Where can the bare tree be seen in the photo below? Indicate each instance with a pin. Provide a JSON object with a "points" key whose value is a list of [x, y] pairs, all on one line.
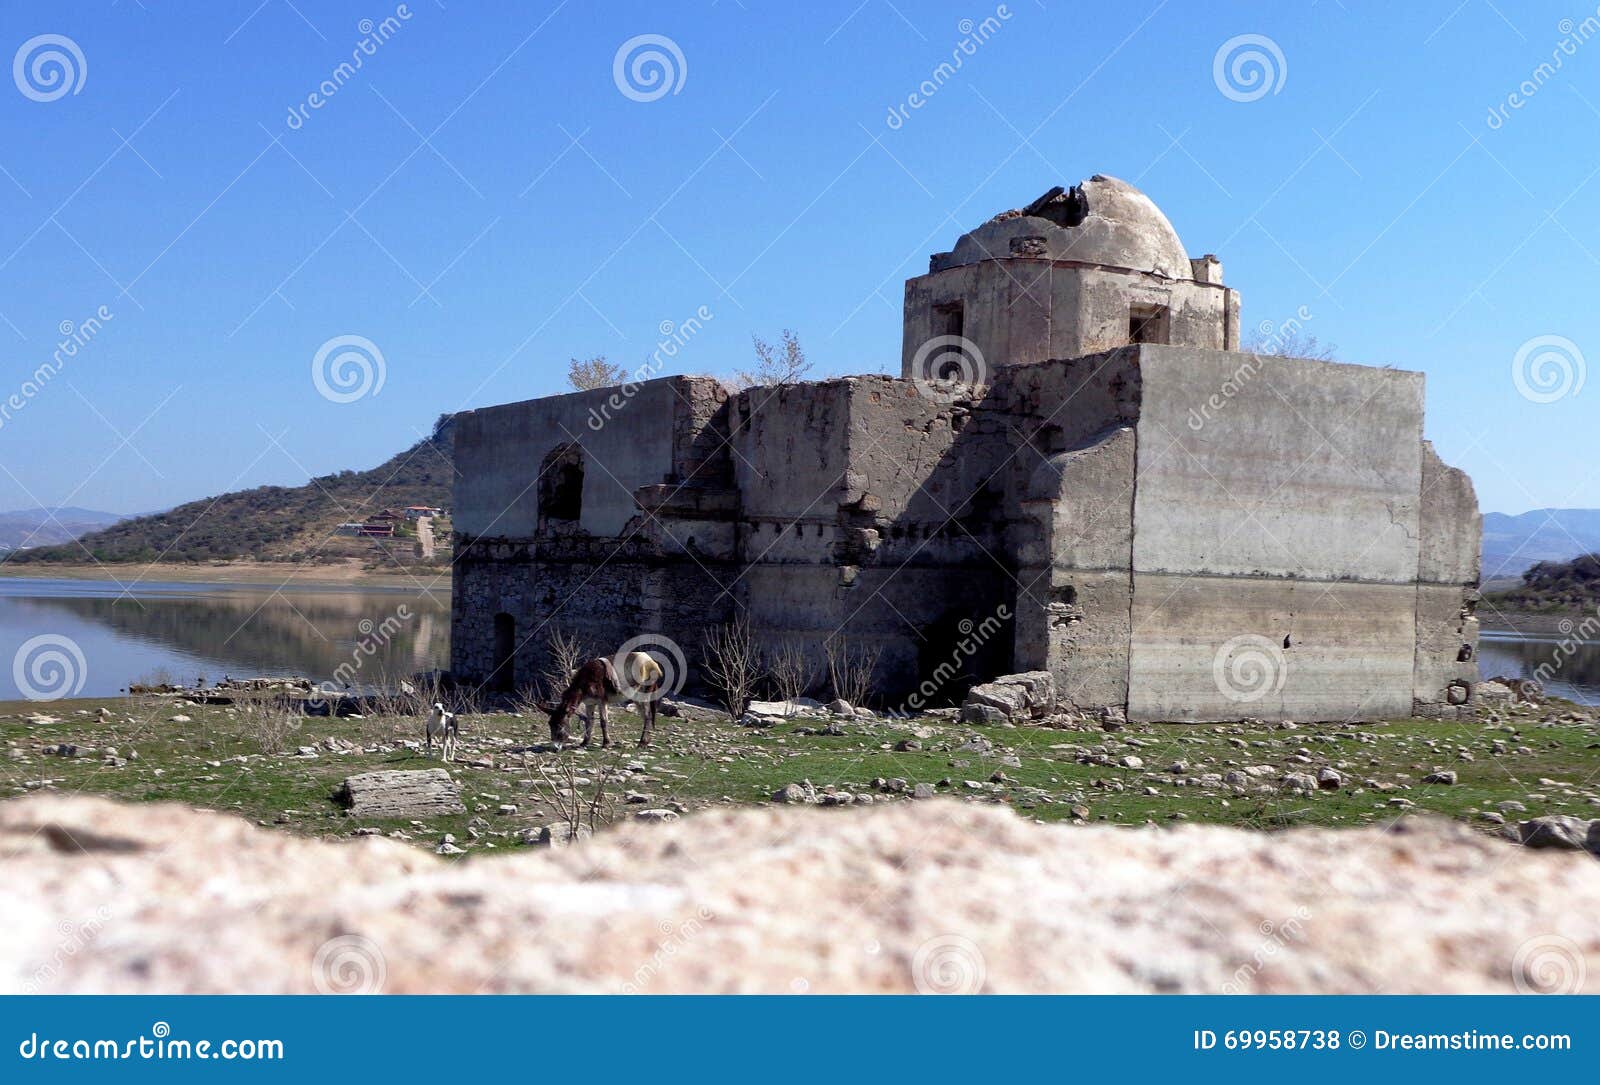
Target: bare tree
{"points": [[567, 652], [784, 363], [594, 372], [790, 670], [733, 665], [1290, 343], [850, 669]]}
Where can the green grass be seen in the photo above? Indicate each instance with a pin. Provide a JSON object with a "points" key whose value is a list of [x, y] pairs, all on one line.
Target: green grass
{"points": [[215, 760]]}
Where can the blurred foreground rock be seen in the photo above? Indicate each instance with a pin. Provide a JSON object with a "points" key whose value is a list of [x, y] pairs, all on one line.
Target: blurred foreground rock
{"points": [[97, 896]]}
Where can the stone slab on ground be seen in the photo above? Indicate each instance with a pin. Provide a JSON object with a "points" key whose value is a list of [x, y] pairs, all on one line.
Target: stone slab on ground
{"points": [[901, 897], [399, 793]]}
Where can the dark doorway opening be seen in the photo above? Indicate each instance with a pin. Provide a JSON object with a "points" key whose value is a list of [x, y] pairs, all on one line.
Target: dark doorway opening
{"points": [[960, 649], [504, 676]]}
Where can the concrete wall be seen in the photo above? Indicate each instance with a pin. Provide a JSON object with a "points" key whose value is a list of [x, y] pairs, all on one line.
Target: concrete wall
{"points": [[1074, 611], [1447, 579], [499, 451], [1277, 502], [1190, 534], [619, 572], [1023, 311]]}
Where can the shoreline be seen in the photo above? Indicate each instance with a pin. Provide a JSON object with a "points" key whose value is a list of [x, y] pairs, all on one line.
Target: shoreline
{"points": [[268, 574], [1530, 623]]}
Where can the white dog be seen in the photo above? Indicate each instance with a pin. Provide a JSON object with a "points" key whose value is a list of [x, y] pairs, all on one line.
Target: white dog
{"points": [[444, 725]]}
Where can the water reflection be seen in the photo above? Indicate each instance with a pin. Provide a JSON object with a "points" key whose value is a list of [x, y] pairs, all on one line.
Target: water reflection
{"points": [[1575, 674], [182, 631]]}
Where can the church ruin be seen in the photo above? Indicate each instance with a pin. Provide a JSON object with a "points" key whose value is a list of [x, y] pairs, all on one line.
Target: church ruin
{"points": [[1077, 471]]}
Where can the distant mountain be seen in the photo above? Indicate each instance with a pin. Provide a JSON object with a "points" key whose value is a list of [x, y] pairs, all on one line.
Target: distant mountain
{"points": [[1513, 544], [45, 527], [271, 523]]}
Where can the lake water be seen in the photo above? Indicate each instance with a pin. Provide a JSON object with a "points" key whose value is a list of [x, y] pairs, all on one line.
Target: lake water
{"points": [[1576, 674], [90, 638]]}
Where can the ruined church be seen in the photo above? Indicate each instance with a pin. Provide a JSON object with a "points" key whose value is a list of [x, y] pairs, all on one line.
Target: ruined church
{"points": [[1077, 471]]}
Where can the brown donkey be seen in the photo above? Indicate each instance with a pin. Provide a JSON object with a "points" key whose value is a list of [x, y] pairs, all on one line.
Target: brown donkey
{"points": [[595, 684]]}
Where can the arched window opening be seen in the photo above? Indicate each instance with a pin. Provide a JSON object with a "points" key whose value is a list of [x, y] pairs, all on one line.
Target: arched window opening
{"points": [[561, 488]]}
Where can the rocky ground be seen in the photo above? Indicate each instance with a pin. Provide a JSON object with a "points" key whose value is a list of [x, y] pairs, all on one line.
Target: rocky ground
{"points": [[937, 896], [1518, 763]]}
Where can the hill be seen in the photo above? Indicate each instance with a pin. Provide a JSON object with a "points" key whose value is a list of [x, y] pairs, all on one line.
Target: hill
{"points": [[43, 527], [1512, 544], [1552, 586], [271, 523]]}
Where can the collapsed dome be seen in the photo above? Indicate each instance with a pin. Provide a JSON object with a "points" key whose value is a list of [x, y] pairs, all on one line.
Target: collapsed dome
{"points": [[1102, 221]]}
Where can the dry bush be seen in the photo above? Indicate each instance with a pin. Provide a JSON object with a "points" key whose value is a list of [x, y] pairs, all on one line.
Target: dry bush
{"points": [[850, 668], [557, 787], [269, 729], [733, 665], [784, 363], [790, 670], [596, 372]]}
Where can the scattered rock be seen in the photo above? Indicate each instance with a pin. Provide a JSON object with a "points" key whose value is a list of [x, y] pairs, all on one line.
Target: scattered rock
{"points": [[795, 793], [1446, 777], [1557, 831], [1330, 780]]}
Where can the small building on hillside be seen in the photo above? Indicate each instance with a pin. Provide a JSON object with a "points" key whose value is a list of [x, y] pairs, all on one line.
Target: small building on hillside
{"points": [[1077, 471]]}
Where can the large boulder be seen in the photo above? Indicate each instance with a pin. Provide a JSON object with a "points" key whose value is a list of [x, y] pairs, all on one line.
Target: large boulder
{"points": [[1013, 696], [935, 895], [400, 793]]}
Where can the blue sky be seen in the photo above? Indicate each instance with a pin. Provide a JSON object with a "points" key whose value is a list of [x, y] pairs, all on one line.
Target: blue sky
{"points": [[482, 202]]}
